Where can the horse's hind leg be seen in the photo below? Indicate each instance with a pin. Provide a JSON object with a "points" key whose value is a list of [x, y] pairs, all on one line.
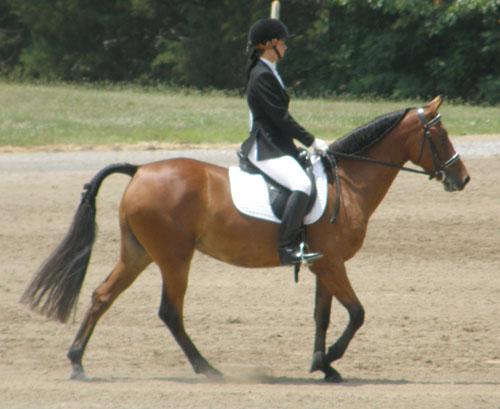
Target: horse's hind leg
{"points": [[171, 316], [175, 269], [133, 261]]}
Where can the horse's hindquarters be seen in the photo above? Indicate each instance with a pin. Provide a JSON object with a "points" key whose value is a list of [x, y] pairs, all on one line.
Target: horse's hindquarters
{"points": [[179, 205]]}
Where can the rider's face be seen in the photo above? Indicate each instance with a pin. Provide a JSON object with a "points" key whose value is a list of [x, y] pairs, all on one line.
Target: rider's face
{"points": [[281, 47], [275, 50]]}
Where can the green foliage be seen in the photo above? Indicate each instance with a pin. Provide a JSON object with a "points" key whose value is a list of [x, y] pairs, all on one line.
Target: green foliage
{"points": [[390, 48], [13, 37], [207, 50]]}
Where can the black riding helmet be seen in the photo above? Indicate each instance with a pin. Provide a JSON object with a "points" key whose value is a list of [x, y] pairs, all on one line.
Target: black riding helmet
{"points": [[264, 30]]}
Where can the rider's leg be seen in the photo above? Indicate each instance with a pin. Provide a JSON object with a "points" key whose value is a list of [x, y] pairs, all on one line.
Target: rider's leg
{"points": [[286, 171], [290, 247]]}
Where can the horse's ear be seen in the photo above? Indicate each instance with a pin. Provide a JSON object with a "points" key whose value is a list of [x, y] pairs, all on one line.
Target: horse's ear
{"points": [[435, 104]]}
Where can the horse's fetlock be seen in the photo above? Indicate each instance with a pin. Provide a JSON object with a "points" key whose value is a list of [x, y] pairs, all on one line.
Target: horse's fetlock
{"points": [[75, 355], [335, 352]]}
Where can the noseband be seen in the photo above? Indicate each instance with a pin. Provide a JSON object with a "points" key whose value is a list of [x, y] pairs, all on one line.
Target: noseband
{"points": [[439, 165]]}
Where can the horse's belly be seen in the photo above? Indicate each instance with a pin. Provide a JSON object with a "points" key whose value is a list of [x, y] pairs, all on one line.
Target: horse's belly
{"points": [[245, 242]]}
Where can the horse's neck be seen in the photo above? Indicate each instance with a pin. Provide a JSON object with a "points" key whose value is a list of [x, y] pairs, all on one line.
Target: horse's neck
{"points": [[371, 182]]}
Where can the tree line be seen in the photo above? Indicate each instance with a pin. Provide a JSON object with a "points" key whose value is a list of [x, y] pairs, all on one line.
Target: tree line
{"points": [[387, 48]]}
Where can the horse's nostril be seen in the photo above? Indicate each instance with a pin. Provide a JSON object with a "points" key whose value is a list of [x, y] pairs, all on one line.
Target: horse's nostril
{"points": [[466, 180]]}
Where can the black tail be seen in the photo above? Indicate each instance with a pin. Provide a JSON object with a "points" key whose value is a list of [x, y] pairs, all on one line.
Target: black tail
{"points": [[54, 289]]}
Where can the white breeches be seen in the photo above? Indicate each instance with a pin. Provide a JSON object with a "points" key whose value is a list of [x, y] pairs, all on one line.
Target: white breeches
{"points": [[285, 170]]}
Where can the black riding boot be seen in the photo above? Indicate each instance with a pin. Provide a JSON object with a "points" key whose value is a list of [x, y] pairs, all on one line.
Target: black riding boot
{"points": [[291, 250]]}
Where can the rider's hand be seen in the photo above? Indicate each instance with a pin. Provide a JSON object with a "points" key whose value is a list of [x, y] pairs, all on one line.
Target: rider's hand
{"points": [[320, 146]]}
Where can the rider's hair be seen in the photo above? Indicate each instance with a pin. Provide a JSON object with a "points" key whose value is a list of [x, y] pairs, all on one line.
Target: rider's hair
{"points": [[253, 57]]}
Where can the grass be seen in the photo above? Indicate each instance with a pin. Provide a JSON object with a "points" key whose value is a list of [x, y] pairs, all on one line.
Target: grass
{"points": [[38, 115]]}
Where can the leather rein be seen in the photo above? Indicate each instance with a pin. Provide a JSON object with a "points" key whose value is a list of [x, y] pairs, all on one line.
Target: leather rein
{"points": [[439, 165]]}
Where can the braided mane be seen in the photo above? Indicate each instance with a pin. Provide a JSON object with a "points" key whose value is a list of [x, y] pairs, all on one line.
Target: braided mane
{"points": [[367, 135]]}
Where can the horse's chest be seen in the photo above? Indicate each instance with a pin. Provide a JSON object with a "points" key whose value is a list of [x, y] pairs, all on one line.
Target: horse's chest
{"points": [[353, 231]]}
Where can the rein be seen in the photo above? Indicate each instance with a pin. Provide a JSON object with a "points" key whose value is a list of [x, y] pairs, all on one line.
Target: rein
{"points": [[439, 165], [377, 162]]}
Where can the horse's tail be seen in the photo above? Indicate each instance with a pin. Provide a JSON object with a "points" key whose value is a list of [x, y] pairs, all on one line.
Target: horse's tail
{"points": [[56, 285]]}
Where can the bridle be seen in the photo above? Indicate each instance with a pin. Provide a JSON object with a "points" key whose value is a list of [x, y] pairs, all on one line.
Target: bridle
{"points": [[439, 166]]}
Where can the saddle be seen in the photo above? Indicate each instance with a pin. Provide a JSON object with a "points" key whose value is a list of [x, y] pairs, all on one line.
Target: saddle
{"points": [[278, 194]]}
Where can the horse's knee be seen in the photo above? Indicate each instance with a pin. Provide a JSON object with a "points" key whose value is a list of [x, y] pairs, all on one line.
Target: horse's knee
{"points": [[357, 316]]}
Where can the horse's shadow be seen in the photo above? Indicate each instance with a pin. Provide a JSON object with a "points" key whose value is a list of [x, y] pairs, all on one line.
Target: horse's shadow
{"points": [[276, 380], [261, 379]]}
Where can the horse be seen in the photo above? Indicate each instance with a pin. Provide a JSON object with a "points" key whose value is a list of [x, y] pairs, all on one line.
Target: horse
{"points": [[173, 207]]}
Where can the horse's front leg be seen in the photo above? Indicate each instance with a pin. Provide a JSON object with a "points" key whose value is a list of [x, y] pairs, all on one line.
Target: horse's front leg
{"points": [[333, 281], [322, 311]]}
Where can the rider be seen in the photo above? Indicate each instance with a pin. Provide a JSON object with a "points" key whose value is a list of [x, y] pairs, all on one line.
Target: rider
{"points": [[270, 146]]}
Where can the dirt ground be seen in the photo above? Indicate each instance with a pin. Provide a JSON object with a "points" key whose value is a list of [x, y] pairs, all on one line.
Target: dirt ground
{"points": [[428, 277]]}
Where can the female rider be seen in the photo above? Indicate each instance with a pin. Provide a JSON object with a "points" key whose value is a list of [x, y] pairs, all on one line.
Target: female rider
{"points": [[270, 146]]}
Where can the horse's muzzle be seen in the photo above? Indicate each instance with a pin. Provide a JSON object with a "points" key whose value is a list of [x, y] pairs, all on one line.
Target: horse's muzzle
{"points": [[454, 183]]}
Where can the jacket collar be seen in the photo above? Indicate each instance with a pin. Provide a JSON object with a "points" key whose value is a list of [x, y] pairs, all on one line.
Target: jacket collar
{"points": [[272, 67]]}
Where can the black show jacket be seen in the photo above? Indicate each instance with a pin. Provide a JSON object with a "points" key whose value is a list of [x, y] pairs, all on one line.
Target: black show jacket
{"points": [[273, 127]]}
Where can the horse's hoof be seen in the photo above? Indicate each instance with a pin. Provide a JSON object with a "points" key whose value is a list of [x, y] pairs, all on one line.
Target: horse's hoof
{"points": [[332, 376], [214, 374], [210, 372], [79, 374], [318, 362]]}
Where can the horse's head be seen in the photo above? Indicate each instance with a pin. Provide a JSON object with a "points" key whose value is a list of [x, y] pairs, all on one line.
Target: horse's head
{"points": [[434, 152]]}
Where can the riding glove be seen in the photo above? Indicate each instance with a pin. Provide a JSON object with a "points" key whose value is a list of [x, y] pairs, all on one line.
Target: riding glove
{"points": [[320, 146]]}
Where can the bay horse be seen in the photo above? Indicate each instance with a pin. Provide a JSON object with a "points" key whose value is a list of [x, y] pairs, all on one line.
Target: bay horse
{"points": [[173, 207]]}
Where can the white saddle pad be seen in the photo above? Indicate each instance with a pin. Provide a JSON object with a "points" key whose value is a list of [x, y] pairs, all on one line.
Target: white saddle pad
{"points": [[251, 197]]}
